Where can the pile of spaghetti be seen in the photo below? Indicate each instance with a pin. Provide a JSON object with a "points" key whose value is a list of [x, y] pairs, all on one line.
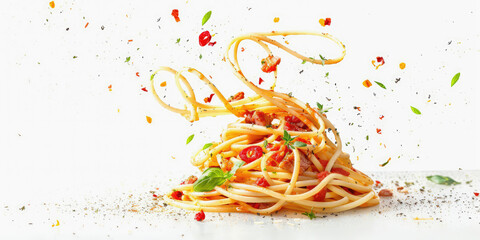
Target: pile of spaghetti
{"points": [[276, 156]]}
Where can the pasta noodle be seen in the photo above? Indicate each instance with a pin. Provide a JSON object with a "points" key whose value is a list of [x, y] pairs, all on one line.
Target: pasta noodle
{"points": [[276, 155]]}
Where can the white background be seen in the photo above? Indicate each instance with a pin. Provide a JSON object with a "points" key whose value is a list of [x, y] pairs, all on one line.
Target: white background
{"points": [[63, 131]]}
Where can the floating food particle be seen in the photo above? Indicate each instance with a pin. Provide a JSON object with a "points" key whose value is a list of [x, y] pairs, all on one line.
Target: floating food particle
{"points": [[328, 21], [322, 22], [367, 83], [52, 4], [402, 65], [144, 89], [110, 87], [204, 38], [175, 15], [276, 19], [208, 99], [149, 119], [163, 84], [138, 74], [379, 131], [86, 25]]}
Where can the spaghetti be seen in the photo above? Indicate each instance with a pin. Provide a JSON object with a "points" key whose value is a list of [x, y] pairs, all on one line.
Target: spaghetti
{"points": [[276, 155]]}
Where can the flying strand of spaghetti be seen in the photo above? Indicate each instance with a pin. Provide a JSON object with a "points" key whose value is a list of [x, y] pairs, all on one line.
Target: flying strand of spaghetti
{"points": [[277, 155]]}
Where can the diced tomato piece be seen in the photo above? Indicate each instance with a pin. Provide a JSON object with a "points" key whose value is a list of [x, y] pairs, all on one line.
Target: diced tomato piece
{"points": [[476, 194], [269, 64], [379, 131], [175, 15], [258, 118], [212, 43], [324, 163], [385, 193], [340, 171], [204, 38], [322, 175], [328, 21], [380, 60], [262, 182], [320, 196], [237, 96], [144, 89], [255, 205], [190, 180], [200, 216], [251, 153], [292, 119], [177, 195]]}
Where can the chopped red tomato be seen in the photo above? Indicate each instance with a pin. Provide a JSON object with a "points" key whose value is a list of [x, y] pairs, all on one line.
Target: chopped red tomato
{"points": [[324, 163], [269, 64], [328, 21], [320, 196], [379, 131], [294, 124], [258, 118], [385, 193], [255, 205], [208, 99], [177, 195], [137, 74], [340, 171], [237, 96], [175, 15], [476, 194], [260, 81], [322, 175], [251, 153], [200, 216], [204, 38], [154, 195], [212, 43], [144, 89], [190, 180], [262, 182]]}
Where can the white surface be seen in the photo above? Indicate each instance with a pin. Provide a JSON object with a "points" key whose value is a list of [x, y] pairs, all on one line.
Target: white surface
{"points": [[61, 132], [447, 211]]}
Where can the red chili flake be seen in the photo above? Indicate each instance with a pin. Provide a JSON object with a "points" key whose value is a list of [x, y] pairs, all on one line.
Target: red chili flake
{"points": [[357, 108], [208, 99], [262, 182], [204, 38], [242, 49], [144, 89], [177, 195], [138, 74], [155, 196], [86, 25], [200, 216], [385, 193], [175, 15], [238, 96], [380, 60], [212, 43], [378, 183], [476, 194], [131, 40], [260, 81], [379, 131], [381, 117], [328, 21]]}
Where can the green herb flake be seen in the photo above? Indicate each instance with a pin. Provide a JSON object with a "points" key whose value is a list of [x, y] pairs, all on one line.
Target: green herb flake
{"points": [[207, 146], [304, 61], [367, 137], [178, 40], [310, 214], [265, 143], [206, 17], [455, 79], [74, 57], [326, 74], [290, 94], [190, 138], [323, 59], [151, 77], [385, 163], [200, 56], [127, 59], [415, 110], [380, 84], [443, 180]]}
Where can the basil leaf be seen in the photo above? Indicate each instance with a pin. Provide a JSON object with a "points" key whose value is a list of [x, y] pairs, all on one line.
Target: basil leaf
{"points": [[443, 180], [415, 110], [455, 79], [209, 179], [299, 144], [190, 138], [207, 146], [320, 108], [380, 84], [286, 136], [206, 17]]}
